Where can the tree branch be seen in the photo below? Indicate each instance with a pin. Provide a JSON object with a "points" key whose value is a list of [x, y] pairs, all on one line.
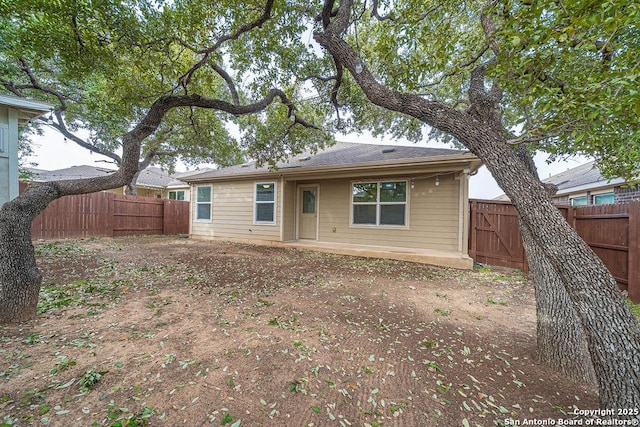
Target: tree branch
{"points": [[61, 127], [464, 64], [264, 17], [35, 84], [227, 78]]}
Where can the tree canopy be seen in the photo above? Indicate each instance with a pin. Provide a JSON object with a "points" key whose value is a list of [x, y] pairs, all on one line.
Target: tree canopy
{"points": [[567, 72], [102, 64]]}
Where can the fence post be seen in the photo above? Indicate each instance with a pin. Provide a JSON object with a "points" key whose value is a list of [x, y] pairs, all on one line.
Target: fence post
{"points": [[472, 229], [634, 252], [570, 216]]}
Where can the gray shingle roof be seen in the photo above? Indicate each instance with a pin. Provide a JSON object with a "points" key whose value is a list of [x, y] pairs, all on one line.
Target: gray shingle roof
{"points": [[151, 176], [74, 172], [178, 178], [340, 154], [581, 175], [154, 177]]}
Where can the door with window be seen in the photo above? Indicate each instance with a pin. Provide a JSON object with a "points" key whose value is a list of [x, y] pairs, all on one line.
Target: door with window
{"points": [[308, 212]]}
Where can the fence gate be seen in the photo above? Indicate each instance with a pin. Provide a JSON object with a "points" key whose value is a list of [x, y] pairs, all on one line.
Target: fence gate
{"points": [[612, 231], [494, 235]]}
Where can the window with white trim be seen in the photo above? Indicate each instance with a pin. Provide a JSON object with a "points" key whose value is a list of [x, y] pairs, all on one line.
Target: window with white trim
{"points": [[203, 202], [176, 195], [265, 202], [381, 203]]}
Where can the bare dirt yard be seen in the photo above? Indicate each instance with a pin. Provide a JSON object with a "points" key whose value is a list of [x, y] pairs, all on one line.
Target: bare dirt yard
{"points": [[164, 331]]}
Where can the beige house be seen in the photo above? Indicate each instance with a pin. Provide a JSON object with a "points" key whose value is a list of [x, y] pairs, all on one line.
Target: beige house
{"points": [[392, 202]]}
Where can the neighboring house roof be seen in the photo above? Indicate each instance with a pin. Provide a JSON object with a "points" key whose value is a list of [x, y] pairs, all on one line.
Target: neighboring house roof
{"points": [[341, 155], [583, 177], [74, 172], [149, 177], [154, 177], [178, 178]]}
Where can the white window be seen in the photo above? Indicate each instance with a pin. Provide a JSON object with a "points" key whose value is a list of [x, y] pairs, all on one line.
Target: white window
{"points": [[203, 203], [176, 195], [265, 202], [379, 203]]}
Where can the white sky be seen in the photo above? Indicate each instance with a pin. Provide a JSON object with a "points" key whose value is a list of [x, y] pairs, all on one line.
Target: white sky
{"points": [[51, 152]]}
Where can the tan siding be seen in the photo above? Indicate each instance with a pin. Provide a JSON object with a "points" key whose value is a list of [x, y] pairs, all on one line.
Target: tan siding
{"points": [[233, 214], [289, 212], [433, 215], [433, 219]]}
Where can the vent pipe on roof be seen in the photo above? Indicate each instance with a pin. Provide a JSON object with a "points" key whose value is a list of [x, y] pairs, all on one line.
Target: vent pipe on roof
{"points": [[388, 150]]}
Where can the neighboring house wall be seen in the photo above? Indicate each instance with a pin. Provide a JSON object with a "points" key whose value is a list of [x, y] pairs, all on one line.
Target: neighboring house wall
{"points": [[8, 151], [152, 192], [627, 193], [618, 194]]}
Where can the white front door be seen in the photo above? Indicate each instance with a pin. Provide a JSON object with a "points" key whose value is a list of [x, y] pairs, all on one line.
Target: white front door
{"points": [[308, 212]]}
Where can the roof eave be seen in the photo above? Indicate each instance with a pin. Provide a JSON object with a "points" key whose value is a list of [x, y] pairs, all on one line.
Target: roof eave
{"points": [[27, 108], [466, 158]]}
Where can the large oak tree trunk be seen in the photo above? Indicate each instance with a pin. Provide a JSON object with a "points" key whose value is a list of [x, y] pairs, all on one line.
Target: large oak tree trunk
{"points": [[20, 278], [561, 339]]}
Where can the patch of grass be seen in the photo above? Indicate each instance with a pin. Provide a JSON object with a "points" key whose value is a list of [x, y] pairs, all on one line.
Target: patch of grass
{"points": [[481, 267], [33, 396], [81, 291], [64, 249], [635, 308], [117, 418], [441, 312]]}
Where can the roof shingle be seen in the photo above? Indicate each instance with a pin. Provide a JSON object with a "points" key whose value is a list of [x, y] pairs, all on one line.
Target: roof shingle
{"points": [[340, 154]]}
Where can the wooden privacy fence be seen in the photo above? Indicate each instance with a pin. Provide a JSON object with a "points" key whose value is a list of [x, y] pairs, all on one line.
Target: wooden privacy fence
{"points": [[612, 231], [109, 214]]}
